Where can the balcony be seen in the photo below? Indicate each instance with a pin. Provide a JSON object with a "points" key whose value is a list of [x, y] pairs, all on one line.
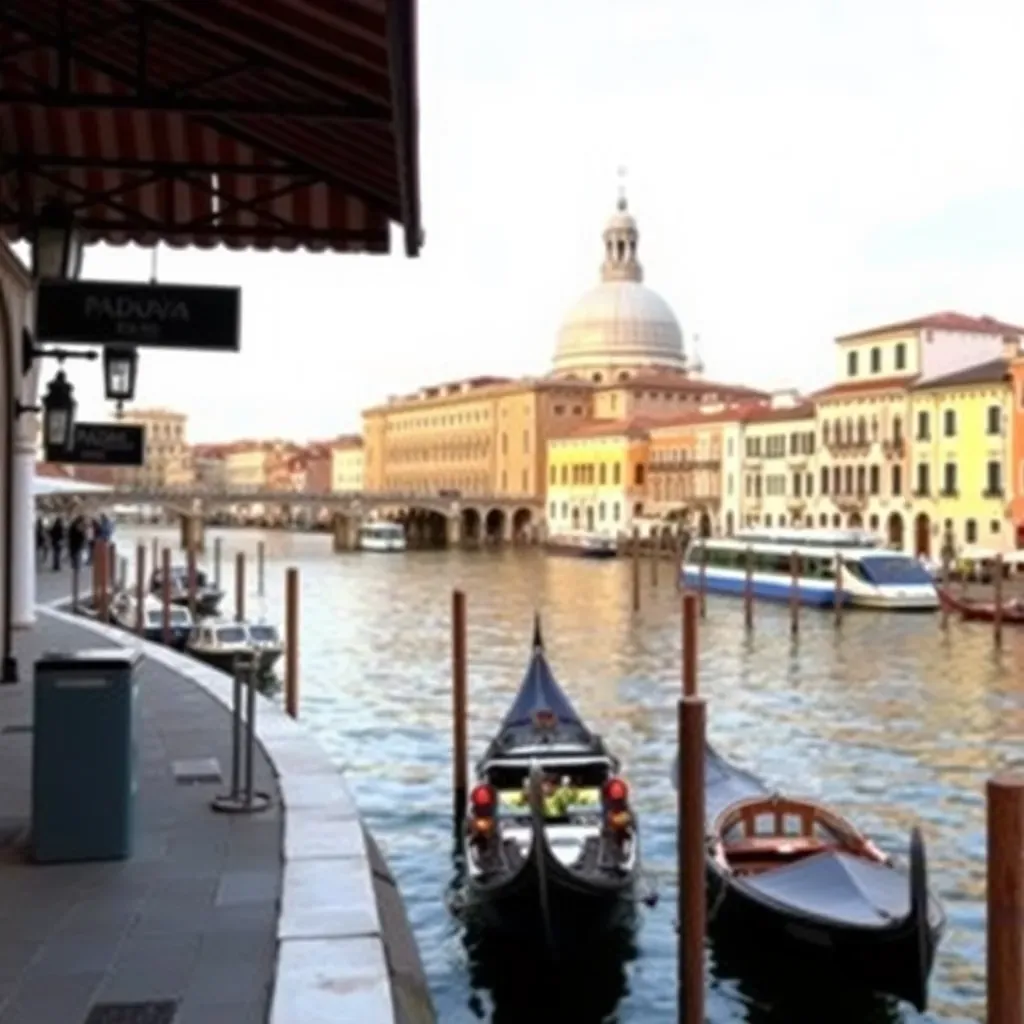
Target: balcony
{"points": [[949, 492], [993, 492], [848, 446], [894, 448], [850, 502], [796, 505], [684, 465]]}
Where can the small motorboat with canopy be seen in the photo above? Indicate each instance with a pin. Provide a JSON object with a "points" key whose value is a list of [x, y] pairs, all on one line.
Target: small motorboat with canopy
{"points": [[551, 843], [788, 874]]}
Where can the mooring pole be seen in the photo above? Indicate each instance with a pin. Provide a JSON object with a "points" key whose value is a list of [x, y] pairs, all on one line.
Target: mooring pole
{"points": [[690, 855], [291, 642], [636, 569], [748, 590], [240, 587], [1005, 925], [794, 593], [460, 755], [997, 616], [690, 614], [140, 589]]}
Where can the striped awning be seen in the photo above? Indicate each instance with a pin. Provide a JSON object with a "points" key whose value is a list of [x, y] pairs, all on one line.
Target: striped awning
{"points": [[269, 124]]}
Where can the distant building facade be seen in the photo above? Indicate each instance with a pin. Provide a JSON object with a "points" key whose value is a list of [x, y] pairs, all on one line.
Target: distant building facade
{"points": [[347, 464], [167, 458]]}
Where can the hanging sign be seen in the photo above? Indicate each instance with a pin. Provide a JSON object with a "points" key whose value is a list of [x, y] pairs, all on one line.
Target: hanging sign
{"points": [[170, 316], [105, 444]]}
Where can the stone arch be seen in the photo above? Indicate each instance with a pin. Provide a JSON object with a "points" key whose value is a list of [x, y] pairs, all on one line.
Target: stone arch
{"points": [[856, 521], [922, 535], [425, 527], [704, 526], [494, 524], [894, 530], [597, 377], [522, 525], [472, 525]]}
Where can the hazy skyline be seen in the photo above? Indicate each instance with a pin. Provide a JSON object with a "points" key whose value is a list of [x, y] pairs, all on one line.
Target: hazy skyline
{"points": [[796, 174]]}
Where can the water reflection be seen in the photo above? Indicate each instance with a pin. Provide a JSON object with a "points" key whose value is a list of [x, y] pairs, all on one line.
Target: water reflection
{"points": [[887, 718]]}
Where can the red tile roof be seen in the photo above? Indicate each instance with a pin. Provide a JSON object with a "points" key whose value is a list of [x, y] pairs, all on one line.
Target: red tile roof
{"points": [[636, 427], [865, 386], [781, 414], [948, 321]]}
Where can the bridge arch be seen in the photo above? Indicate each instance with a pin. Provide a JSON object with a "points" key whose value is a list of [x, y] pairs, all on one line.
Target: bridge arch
{"points": [[494, 524]]}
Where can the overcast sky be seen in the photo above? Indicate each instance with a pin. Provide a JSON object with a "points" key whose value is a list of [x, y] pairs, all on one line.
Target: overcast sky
{"points": [[797, 172]]}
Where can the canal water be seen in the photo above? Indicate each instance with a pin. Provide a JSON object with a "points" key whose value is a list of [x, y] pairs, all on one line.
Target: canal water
{"points": [[887, 718]]}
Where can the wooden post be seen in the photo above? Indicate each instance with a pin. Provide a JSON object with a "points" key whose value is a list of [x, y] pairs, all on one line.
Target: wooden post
{"points": [[155, 553], [655, 555], [748, 589], [190, 561], [997, 617], [291, 642], [75, 586], [261, 563], [240, 587], [636, 569], [945, 585], [140, 589], [837, 598], [680, 566], [165, 594], [794, 593], [702, 579], [111, 565], [216, 561], [102, 556], [690, 854], [1005, 799], [122, 573], [690, 652], [459, 735]]}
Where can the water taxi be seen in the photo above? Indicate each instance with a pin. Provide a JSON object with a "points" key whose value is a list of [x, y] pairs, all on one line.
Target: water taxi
{"points": [[584, 545], [873, 576], [382, 536]]}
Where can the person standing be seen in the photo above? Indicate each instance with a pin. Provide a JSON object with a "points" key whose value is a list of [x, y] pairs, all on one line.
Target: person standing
{"points": [[57, 540], [40, 541], [76, 541]]}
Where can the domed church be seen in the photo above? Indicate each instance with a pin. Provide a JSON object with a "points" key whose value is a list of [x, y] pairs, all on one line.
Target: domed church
{"points": [[620, 328]]}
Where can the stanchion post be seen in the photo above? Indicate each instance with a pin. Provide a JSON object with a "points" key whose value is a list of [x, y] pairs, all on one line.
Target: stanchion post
{"points": [[240, 587], [291, 642], [690, 651], [1005, 924], [459, 695], [837, 597], [140, 589], [636, 569], [794, 593], [102, 556], [748, 589], [217, 553], [997, 616], [165, 594], [261, 563], [690, 854]]}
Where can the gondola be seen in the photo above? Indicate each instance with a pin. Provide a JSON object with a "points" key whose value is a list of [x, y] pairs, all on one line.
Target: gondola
{"points": [[792, 875], [550, 841], [981, 611]]}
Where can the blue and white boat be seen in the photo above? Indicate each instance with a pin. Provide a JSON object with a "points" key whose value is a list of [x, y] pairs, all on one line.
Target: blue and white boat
{"points": [[872, 576]]}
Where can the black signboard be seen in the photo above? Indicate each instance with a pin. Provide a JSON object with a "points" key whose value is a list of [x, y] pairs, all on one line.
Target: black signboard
{"points": [[106, 444], [169, 316]]}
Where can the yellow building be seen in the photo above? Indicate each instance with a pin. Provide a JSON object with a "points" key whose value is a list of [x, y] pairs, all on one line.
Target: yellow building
{"points": [[245, 466], [597, 478], [779, 462], [347, 464], [960, 457], [864, 418], [167, 459]]}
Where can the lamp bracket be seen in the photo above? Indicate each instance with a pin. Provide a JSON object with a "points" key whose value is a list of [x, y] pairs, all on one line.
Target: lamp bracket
{"points": [[30, 352], [20, 409]]}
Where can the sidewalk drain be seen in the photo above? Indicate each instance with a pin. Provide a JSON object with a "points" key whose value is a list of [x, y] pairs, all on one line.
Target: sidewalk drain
{"points": [[161, 1012], [201, 769]]}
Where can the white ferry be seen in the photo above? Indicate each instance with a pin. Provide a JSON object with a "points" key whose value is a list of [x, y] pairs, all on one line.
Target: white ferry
{"points": [[873, 576], [382, 536]]}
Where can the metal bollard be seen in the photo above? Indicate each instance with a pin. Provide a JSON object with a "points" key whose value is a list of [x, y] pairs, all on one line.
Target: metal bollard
{"points": [[251, 801]]}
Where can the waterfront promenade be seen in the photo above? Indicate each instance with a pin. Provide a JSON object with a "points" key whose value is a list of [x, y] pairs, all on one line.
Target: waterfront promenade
{"points": [[289, 915]]}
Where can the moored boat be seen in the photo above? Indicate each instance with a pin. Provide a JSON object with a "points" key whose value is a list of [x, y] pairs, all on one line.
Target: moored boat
{"points": [[794, 875], [266, 641], [982, 611], [584, 545], [382, 536], [124, 612], [221, 643], [208, 596], [551, 842]]}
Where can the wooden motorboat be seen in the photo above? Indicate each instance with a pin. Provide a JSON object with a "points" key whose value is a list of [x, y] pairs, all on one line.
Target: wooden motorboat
{"points": [[265, 639], [981, 611], [123, 612], [791, 874], [221, 643], [551, 842], [584, 545], [208, 596]]}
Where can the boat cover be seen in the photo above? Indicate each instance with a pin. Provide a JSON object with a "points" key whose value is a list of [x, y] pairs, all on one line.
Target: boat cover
{"points": [[839, 887]]}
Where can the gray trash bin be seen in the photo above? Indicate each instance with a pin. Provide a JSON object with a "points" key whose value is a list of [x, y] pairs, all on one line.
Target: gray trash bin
{"points": [[83, 755]]}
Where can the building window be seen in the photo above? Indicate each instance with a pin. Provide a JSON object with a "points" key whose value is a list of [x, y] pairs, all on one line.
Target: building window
{"points": [[797, 484], [876, 360], [949, 423], [616, 512], [901, 356], [923, 479], [565, 475], [617, 476], [553, 476], [837, 480], [526, 481], [995, 526], [638, 474], [823, 520], [994, 420], [971, 531], [601, 511], [862, 431], [553, 510], [923, 427], [861, 480], [848, 480], [851, 364], [897, 429], [825, 432], [875, 480], [565, 510], [994, 479], [949, 479], [602, 473]]}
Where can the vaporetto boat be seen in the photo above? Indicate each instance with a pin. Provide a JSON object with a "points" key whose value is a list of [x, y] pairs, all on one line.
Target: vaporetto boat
{"points": [[872, 576], [382, 536]]}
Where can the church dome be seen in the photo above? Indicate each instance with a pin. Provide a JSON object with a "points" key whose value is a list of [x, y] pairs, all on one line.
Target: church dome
{"points": [[619, 327]]}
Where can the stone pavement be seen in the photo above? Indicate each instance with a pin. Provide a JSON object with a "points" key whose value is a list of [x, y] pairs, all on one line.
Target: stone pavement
{"points": [[189, 921]]}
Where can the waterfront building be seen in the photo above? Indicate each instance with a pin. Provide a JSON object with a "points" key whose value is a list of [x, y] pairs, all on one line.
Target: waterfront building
{"points": [[167, 457], [779, 465], [961, 457], [208, 466], [863, 418], [1015, 469], [346, 464], [245, 466], [317, 467], [597, 477]]}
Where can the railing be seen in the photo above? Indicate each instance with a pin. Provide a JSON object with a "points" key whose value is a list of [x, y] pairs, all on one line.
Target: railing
{"points": [[683, 465]]}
